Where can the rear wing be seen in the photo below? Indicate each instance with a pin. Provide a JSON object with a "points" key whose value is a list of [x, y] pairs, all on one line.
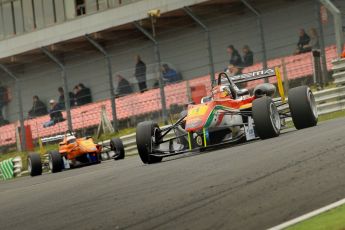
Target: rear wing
{"points": [[262, 74], [256, 75]]}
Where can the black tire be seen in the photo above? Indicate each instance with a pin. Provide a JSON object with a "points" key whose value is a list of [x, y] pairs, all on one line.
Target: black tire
{"points": [[266, 118], [99, 160], [34, 164], [116, 145], [55, 161], [144, 134], [303, 107]]}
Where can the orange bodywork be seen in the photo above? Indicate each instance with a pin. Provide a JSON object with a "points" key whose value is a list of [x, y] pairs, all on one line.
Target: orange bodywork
{"points": [[202, 115], [77, 147]]}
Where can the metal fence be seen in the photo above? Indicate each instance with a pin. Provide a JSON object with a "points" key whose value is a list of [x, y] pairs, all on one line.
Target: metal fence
{"points": [[194, 45]]}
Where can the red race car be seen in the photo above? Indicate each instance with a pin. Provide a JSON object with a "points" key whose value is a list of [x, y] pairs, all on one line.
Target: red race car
{"points": [[229, 115]]}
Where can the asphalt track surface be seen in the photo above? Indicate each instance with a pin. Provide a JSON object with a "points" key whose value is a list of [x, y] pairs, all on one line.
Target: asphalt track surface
{"points": [[253, 186]]}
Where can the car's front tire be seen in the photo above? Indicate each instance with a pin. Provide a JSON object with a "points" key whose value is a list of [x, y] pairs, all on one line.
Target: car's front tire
{"points": [[303, 107], [34, 164], [266, 118], [144, 135]]}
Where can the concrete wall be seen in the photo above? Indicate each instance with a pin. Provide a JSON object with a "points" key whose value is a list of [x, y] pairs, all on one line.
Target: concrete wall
{"points": [[89, 24], [184, 48]]}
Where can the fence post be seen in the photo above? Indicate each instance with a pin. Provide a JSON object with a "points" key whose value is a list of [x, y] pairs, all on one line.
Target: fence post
{"points": [[65, 85], [20, 104], [262, 33], [158, 56], [338, 24], [208, 39], [110, 78], [324, 72]]}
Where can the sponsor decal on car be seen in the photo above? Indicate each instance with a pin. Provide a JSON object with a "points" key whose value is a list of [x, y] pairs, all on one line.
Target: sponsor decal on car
{"points": [[253, 75]]}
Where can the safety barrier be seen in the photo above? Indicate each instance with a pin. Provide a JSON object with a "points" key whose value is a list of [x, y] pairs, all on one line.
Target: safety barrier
{"points": [[11, 168], [339, 71], [330, 100]]}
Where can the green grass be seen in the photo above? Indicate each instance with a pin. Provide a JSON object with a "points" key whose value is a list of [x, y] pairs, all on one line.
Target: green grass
{"points": [[330, 85], [331, 220], [330, 116], [108, 136]]}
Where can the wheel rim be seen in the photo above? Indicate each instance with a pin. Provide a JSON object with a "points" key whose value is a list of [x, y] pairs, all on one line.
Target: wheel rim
{"points": [[275, 118], [50, 163], [312, 103], [156, 135], [29, 166]]}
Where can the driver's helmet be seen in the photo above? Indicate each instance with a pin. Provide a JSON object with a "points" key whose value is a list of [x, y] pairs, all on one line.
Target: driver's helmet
{"points": [[70, 138], [221, 92]]}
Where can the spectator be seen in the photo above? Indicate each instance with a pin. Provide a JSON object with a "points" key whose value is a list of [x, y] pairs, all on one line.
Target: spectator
{"points": [[235, 58], [80, 7], [54, 113], [61, 100], [123, 86], [75, 95], [248, 56], [233, 70], [140, 73], [3, 121], [38, 108], [83, 95], [343, 54], [169, 75], [303, 41], [3, 98], [314, 40]]}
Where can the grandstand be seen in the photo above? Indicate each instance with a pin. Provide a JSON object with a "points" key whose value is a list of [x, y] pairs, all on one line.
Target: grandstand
{"points": [[182, 43]]}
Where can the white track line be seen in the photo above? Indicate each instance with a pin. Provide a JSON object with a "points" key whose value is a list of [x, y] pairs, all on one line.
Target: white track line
{"points": [[308, 215]]}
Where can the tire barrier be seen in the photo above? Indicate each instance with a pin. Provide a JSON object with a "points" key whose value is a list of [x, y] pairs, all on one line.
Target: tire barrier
{"points": [[10, 168]]}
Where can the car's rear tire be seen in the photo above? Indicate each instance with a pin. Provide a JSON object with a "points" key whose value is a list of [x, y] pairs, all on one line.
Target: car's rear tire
{"points": [[303, 107], [55, 161], [144, 134], [99, 159], [266, 118], [34, 164], [116, 145]]}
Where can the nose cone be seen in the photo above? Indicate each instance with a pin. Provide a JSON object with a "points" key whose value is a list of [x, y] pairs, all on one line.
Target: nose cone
{"points": [[194, 125], [197, 116]]}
